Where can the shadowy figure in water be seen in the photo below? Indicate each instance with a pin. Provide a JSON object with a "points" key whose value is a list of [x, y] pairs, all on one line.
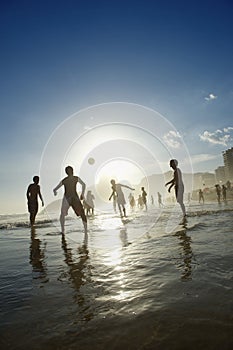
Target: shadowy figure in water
{"points": [[37, 256], [218, 192], [201, 196], [71, 198], [33, 192], [117, 190], [178, 183], [124, 237], [185, 243], [144, 195], [78, 273], [88, 203]]}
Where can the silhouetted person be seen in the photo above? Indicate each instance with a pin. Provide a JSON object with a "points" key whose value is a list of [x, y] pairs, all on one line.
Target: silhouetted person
{"points": [[144, 199], [131, 201], [224, 193], [160, 200], [140, 202], [201, 196], [117, 190], [152, 200], [89, 203], [33, 192], [71, 198], [178, 183], [218, 192]]}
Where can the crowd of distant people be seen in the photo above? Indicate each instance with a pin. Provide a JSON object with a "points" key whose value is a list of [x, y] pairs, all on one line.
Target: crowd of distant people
{"points": [[83, 206]]}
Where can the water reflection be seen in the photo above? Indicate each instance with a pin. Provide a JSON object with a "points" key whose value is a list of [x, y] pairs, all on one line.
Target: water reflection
{"points": [[187, 253], [79, 273], [124, 237], [37, 257]]}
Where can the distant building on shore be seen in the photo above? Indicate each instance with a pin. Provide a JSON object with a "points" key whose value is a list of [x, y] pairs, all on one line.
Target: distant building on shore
{"points": [[203, 180], [228, 163]]}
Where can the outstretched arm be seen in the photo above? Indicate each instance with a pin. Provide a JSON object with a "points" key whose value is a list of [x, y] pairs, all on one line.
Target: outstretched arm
{"points": [[130, 188], [56, 188]]}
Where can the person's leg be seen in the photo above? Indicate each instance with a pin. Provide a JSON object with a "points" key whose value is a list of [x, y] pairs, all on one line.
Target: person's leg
{"points": [[180, 200], [119, 207], [183, 208], [62, 222], [79, 211], [64, 211], [84, 220], [32, 218], [33, 209]]}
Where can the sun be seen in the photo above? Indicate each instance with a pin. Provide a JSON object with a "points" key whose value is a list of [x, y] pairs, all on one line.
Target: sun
{"points": [[121, 170]]}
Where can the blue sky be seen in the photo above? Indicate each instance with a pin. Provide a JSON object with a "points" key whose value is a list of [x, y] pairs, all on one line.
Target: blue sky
{"points": [[59, 57]]}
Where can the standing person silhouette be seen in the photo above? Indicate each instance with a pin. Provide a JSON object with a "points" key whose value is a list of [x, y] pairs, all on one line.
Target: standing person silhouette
{"points": [[117, 190], [88, 203], [178, 183], [144, 199], [160, 200], [218, 192], [224, 193], [201, 196], [33, 192], [71, 198]]}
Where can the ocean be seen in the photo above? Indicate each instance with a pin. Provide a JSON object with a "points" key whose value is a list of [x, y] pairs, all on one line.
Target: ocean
{"points": [[150, 281]]}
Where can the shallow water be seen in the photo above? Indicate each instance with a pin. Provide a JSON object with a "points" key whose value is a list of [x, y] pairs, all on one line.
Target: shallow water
{"points": [[146, 283]]}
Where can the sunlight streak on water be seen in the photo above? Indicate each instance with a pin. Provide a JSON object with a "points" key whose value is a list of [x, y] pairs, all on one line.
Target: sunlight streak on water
{"points": [[119, 281]]}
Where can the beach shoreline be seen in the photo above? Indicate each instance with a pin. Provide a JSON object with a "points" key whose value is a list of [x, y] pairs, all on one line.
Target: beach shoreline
{"points": [[131, 285]]}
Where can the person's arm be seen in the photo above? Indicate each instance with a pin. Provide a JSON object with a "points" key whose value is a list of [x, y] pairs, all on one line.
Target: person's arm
{"points": [[28, 193], [111, 195], [41, 198], [83, 188], [172, 182], [169, 189], [57, 187], [130, 188]]}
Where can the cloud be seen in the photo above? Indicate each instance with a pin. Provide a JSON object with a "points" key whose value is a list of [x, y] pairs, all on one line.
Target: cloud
{"points": [[218, 137], [211, 97], [203, 157], [172, 139]]}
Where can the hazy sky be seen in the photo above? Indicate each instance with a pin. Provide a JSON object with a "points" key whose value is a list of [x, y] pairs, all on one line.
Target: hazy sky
{"points": [[59, 57]]}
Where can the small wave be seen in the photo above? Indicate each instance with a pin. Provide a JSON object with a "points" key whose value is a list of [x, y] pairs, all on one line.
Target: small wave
{"points": [[23, 224], [196, 226], [209, 212]]}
